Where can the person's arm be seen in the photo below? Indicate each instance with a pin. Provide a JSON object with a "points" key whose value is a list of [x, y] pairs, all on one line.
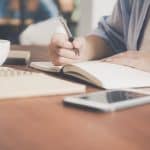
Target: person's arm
{"points": [[135, 59], [106, 40], [112, 31], [96, 48], [114, 28]]}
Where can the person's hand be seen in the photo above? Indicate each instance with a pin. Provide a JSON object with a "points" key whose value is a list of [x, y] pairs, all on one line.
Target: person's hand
{"points": [[62, 51], [136, 59]]}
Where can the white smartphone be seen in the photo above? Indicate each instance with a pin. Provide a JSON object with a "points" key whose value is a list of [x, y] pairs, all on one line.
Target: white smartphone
{"points": [[109, 101]]}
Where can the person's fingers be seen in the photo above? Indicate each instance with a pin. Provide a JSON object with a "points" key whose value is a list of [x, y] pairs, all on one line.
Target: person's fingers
{"points": [[63, 61], [69, 49], [52, 50], [68, 45], [78, 43], [61, 41], [63, 52], [67, 53], [53, 57]]}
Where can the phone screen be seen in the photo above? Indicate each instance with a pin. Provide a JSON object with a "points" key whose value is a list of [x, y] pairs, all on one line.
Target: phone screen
{"points": [[112, 96]]}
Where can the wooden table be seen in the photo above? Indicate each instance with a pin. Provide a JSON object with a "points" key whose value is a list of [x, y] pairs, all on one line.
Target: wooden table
{"points": [[44, 123]]}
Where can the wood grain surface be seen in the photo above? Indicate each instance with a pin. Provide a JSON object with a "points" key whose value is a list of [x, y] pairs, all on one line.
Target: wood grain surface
{"points": [[45, 123]]}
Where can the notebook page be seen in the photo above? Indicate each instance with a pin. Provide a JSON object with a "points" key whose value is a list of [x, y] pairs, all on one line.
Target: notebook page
{"points": [[116, 76], [45, 66], [16, 83]]}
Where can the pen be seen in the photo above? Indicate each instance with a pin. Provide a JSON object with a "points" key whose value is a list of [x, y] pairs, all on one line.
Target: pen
{"points": [[71, 39]]}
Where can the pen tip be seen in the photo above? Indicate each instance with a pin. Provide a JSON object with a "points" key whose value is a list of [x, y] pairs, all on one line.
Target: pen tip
{"points": [[71, 39]]}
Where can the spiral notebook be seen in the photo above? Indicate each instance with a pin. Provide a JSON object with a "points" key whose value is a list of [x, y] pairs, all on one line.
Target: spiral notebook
{"points": [[16, 83]]}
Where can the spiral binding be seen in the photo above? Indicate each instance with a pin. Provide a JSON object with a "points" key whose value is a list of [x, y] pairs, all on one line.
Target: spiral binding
{"points": [[10, 72]]}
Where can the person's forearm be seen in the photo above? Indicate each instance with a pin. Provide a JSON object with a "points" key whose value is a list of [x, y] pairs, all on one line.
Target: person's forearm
{"points": [[96, 48]]}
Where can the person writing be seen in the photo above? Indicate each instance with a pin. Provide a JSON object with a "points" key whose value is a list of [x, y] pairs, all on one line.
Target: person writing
{"points": [[122, 38]]}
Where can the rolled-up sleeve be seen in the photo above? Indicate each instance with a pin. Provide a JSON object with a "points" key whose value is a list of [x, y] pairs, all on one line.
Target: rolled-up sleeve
{"points": [[111, 29]]}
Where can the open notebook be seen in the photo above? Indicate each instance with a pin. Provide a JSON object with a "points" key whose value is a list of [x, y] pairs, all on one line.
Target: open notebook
{"points": [[101, 74], [15, 83]]}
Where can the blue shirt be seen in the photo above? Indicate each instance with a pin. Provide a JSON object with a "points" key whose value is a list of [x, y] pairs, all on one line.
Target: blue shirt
{"points": [[123, 30], [51, 6]]}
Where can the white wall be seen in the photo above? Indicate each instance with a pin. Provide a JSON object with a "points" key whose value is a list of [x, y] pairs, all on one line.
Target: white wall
{"points": [[91, 12]]}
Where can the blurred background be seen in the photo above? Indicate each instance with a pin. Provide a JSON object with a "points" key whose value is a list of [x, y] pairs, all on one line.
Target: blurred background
{"points": [[82, 16]]}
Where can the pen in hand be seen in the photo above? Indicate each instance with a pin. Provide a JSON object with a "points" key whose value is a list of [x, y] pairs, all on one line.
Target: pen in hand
{"points": [[71, 39]]}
